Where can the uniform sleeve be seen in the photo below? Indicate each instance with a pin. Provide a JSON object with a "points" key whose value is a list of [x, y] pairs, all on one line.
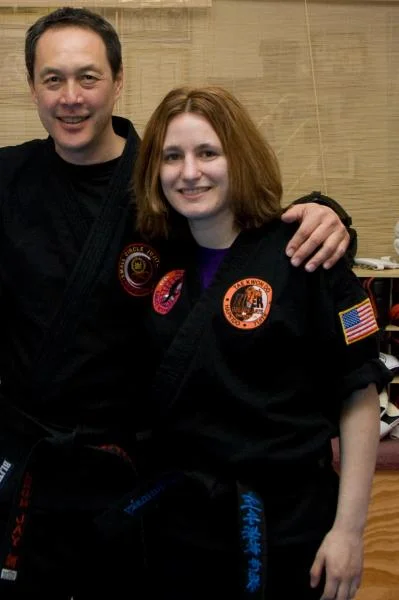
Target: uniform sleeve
{"points": [[348, 332]]}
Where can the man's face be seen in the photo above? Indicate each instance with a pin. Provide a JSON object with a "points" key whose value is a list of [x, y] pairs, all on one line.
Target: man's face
{"points": [[75, 94]]}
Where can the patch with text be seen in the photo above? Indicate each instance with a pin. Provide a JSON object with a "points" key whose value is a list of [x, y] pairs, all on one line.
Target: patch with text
{"points": [[247, 303], [137, 269]]}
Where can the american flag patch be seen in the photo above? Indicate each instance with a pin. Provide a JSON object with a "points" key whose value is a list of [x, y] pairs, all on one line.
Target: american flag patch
{"points": [[358, 322]]}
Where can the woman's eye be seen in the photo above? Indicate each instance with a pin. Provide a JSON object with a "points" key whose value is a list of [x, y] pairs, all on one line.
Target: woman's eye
{"points": [[208, 154]]}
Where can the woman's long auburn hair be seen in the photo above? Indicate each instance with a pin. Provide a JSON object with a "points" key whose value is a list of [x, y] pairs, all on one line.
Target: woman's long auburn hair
{"points": [[255, 186]]}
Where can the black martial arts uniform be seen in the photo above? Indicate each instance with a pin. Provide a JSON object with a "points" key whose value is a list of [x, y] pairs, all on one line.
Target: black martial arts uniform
{"points": [[251, 377], [69, 367], [72, 358]]}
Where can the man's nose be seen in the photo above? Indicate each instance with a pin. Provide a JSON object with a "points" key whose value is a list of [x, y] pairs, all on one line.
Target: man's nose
{"points": [[71, 93]]}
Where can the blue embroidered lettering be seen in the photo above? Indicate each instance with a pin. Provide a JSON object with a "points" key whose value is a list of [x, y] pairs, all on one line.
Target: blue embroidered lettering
{"points": [[251, 534], [252, 537], [254, 571], [139, 502]]}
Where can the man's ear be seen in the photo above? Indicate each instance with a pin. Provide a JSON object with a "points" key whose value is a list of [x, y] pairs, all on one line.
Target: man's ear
{"points": [[119, 79], [32, 89]]}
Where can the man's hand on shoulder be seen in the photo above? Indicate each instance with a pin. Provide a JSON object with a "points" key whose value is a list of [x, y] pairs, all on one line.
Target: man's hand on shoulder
{"points": [[321, 237]]}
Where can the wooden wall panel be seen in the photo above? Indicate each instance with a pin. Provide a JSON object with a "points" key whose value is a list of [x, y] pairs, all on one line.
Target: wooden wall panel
{"points": [[320, 77]]}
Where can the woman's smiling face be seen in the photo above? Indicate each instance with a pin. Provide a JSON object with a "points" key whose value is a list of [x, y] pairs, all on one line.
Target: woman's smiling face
{"points": [[194, 170]]}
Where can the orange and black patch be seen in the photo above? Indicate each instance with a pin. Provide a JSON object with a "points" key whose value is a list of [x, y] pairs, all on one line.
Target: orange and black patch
{"points": [[247, 303]]}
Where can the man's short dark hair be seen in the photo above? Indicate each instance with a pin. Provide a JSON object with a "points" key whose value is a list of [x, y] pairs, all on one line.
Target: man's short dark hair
{"points": [[74, 17]]}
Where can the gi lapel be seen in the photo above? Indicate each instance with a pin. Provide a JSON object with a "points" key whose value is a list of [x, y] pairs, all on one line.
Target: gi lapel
{"points": [[179, 359], [98, 250]]}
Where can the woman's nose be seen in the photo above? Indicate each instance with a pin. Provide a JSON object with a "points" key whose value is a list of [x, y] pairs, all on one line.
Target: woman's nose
{"points": [[190, 169]]}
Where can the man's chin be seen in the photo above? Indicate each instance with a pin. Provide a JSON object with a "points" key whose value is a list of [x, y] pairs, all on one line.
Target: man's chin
{"points": [[72, 152]]}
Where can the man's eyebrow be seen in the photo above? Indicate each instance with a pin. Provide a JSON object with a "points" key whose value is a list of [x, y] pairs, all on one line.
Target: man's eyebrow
{"points": [[48, 70], [54, 71]]}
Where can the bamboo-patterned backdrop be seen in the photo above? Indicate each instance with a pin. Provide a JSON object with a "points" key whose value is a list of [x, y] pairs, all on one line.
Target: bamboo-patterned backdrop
{"points": [[320, 78]]}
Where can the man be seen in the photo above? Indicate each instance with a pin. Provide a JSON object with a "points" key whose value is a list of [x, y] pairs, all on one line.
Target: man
{"points": [[74, 279]]}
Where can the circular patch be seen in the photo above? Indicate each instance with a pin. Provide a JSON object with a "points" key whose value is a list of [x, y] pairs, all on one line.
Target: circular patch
{"points": [[247, 303], [137, 269], [167, 291]]}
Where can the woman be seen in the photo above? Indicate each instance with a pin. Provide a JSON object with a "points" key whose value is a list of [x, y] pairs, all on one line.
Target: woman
{"points": [[258, 366]]}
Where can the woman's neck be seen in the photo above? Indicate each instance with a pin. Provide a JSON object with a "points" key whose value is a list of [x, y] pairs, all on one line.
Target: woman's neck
{"points": [[217, 234]]}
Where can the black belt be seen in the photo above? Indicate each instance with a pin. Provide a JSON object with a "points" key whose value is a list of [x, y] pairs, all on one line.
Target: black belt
{"points": [[24, 439], [251, 519], [121, 517]]}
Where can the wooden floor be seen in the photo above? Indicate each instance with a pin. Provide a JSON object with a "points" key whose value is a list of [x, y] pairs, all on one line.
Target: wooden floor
{"points": [[381, 573]]}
